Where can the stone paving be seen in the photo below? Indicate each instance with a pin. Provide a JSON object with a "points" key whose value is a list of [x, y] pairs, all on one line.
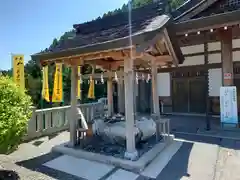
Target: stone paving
{"points": [[197, 158]]}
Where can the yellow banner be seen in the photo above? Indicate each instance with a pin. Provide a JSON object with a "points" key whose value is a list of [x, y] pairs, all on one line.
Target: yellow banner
{"points": [[45, 88], [79, 91], [18, 70], [58, 86], [91, 89]]}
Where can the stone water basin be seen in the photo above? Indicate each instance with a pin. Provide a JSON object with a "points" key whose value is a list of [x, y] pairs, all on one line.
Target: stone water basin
{"points": [[113, 130]]}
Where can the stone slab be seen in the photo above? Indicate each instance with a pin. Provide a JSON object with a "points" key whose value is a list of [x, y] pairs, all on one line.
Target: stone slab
{"points": [[158, 164], [134, 166], [123, 175], [77, 167], [202, 161]]}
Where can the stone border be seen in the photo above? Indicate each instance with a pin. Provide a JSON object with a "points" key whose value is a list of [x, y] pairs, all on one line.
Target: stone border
{"points": [[135, 166]]}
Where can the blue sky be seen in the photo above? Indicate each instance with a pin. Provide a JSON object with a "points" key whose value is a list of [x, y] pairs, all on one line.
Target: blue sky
{"points": [[29, 26]]}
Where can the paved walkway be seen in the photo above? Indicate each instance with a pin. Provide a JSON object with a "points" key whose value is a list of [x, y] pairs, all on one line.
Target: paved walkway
{"points": [[190, 157], [206, 158]]}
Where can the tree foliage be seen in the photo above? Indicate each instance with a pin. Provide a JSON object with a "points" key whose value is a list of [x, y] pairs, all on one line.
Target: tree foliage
{"points": [[15, 112]]}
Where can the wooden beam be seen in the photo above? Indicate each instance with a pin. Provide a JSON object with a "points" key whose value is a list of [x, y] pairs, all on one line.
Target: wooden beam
{"points": [[159, 60], [117, 53], [226, 56], [158, 47], [170, 47], [143, 47], [106, 75]]}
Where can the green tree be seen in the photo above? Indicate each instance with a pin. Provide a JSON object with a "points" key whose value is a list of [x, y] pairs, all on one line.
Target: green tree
{"points": [[15, 112], [54, 43]]}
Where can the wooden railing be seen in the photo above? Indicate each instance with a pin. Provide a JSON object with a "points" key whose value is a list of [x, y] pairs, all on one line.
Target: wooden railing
{"points": [[45, 122]]}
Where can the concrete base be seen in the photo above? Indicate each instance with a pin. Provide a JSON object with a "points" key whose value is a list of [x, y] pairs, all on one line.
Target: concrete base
{"points": [[131, 155], [135, 166]]}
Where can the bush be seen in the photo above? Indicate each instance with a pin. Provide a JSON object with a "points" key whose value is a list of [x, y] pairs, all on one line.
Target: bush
{"points": [[15, 112]]}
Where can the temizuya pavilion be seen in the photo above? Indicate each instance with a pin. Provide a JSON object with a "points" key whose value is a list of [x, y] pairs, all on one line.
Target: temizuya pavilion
{"points": [[105, 42]]}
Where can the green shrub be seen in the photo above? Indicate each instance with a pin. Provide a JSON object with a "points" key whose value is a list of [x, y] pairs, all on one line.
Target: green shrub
{"points": [[15, 112]]}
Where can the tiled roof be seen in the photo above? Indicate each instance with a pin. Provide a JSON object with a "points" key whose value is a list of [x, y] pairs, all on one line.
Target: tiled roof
{"points": [[115, 27], [204, 8], [188, 5], [112, 27], [220, 6]]}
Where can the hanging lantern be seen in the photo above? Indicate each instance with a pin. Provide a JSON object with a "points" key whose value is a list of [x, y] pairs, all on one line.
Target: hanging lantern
{"points": [[96, 82], [102, 79], [88, 81], [143, 76]]}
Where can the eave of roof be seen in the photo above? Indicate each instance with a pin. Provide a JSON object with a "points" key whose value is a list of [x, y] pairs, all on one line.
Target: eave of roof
{"points": [[151, 30], [209, 22], [193, 8], [186, 8]]}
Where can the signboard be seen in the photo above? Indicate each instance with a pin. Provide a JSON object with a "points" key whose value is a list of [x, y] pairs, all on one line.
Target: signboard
{"points": [[228, 104], [18, 70], [227, 76]]}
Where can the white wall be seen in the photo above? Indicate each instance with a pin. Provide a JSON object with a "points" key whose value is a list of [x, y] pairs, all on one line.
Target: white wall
{"points": [[214, 75], [194, 60], [164, 84], [236, 43], [192, 49]]}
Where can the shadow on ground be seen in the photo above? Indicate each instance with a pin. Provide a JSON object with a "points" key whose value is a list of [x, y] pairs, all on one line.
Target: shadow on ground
{"points": [[177, 167], [8, 175], [36, 164], [190, 124], [226, 143], [39, 142]]}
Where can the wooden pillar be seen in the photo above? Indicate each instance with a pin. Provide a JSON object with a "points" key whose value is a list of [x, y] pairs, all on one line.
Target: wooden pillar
{"points": [[120, 85], [226, 57], [135, 93], [110, 95], [155, 97], [73, 119], [131, 152], [142, 96], [137, 96], [141, 100]]}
